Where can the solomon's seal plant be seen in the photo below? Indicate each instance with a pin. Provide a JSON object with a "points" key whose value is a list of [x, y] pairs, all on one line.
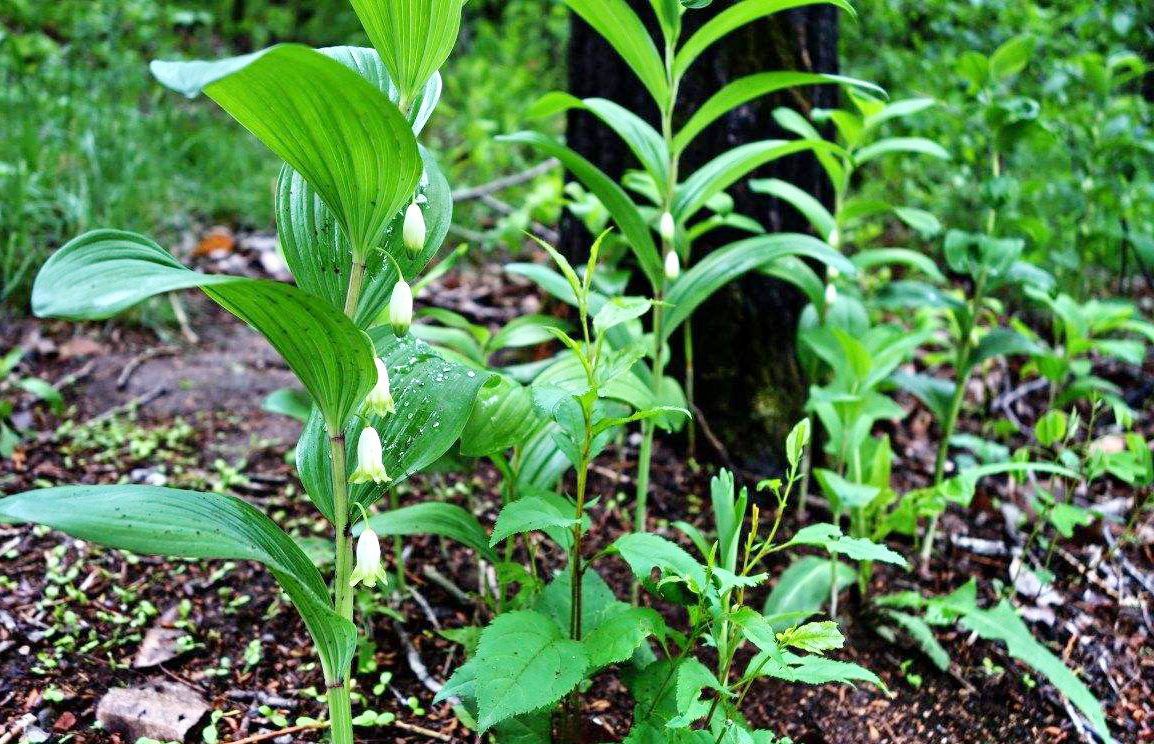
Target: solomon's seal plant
{"points": [[361, 207], [678, 198]]}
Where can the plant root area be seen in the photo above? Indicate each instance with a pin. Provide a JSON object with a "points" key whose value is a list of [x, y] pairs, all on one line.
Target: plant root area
{"points": [[77, 620]]}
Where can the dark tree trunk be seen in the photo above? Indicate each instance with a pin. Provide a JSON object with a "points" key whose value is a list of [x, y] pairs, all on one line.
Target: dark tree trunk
{"points": [[748, 384]]}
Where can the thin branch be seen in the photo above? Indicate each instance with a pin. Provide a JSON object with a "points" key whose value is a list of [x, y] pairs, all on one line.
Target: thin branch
{"points": [[505, 182]]}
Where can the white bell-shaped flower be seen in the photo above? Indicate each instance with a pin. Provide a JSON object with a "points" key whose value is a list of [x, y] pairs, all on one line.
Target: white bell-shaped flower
{"points": [[413, 230], [368, 570], [401, 307], [370, 459], [672, 265], [666, 227], [380, 398]]}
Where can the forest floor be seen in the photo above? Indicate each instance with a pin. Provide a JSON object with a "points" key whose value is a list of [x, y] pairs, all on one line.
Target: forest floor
{"points": [[74, 617]]}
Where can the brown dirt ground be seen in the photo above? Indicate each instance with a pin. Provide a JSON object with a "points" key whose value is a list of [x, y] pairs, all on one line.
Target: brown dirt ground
{"points": [[72, 620]]}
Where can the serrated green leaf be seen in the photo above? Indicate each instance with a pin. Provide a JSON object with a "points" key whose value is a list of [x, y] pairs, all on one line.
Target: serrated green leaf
{"points": [[527, 514], [813, 637], [620, 633], [526, 663]]}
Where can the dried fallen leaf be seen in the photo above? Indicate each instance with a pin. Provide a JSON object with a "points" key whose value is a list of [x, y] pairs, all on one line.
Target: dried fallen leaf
{"points": [[160, 710], [216, 242]]}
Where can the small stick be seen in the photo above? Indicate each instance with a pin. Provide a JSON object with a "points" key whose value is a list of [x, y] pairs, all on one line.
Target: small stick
{"points": [[415, 729], [500, 184], [139, 359], [136, 402], [182, 319], [282, 732], [445, 583], [79, 374]]}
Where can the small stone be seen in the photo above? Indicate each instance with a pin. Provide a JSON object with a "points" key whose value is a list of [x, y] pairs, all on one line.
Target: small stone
{"points": [[160, 709]]}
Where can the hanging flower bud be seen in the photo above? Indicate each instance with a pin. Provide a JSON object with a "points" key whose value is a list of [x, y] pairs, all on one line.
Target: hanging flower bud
{"points": [[413, 230], [830, 294], [834, 238], [370, 462], [380, 398], [672, 265], [368, 570], [401, 307], [832, 273], [666, 227]]}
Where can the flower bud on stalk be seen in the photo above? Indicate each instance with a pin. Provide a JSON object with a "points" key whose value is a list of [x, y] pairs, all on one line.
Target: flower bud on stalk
{"points": [[368, 570], [830, 294], [672, 265], [413, 230], [370, 459], [666, 227], [380, 398], [401, 307]]}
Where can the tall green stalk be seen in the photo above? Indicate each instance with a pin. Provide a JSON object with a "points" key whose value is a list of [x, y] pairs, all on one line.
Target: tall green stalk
{"points": [[645, 456], [339, 694], [962, 365]]}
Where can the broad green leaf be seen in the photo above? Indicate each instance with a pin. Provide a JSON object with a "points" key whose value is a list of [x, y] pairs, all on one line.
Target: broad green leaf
{"points": [[540, 464], [729, 167], [625, 213], [645, 142], [823, 222], [414, 37], [433, 399], [935, 392], [871, 257], [320, 257], [757, 630], [619, 25], [804, 588], [567, 374], [345, 137], [796, 441], [431, 518], [897, 110], [1011, 57], [723, 265], [367, 63], [102, 272], [733, 17], [598, 602], [1002, 623], [1002, 342], [830, 537], [844, 494], [644, 551], [1051, 427], [186, 524], [526, 663], [813, 637], [923, 634], [814, 670], [527, 514], [924, 223], [291, 402], [620, 633], [746, 89], [913, 145], [502, 417], [620, 310]]}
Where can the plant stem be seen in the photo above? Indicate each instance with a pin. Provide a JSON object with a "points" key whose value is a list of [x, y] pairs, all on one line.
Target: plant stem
{"points": [[962, 365], [339, 694], [398, 544], [356, 283], [691, 432], [340, 714]]}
